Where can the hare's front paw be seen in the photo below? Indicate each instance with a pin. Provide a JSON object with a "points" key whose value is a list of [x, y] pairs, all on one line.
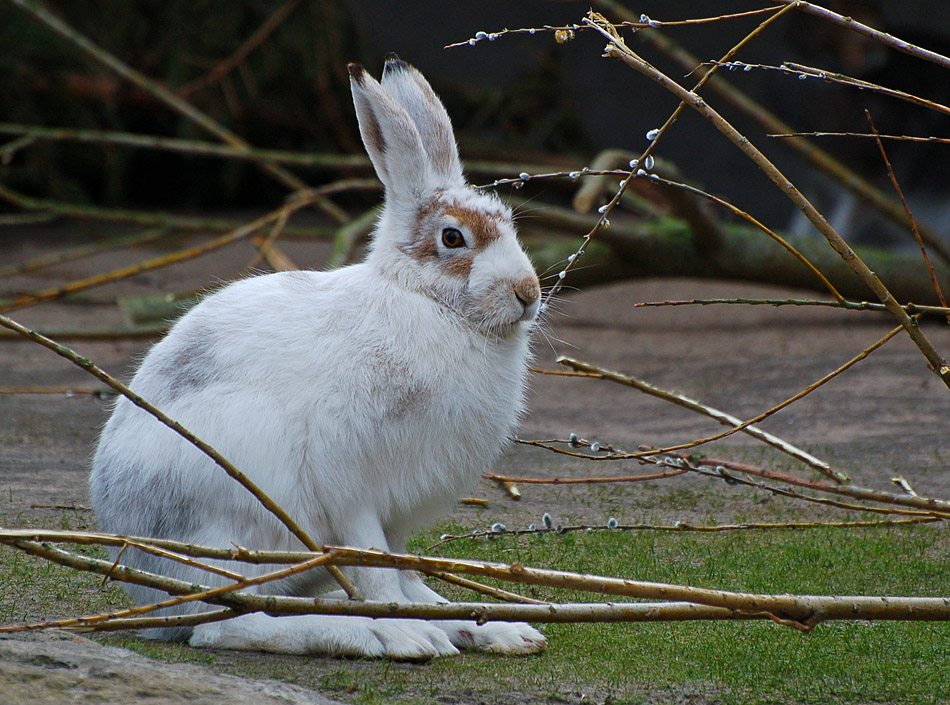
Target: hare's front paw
{"points": [[496, 637], [411, 640]]}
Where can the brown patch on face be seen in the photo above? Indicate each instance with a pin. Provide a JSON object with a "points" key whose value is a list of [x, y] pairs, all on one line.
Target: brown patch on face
{"points": [[422, 249], [481, 230], [482, 227], [460, 264], [423, 246]]}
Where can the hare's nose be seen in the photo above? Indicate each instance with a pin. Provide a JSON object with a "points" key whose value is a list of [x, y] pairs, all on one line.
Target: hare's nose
{"points": [[528, 292]]}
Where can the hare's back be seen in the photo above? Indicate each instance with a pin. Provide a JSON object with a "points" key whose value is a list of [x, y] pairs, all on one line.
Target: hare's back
{"points": [[265, 328]]}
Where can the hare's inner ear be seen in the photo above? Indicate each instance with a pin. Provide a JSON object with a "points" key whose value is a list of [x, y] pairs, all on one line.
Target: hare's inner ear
{"points": [[412, 92], [390, 137]]}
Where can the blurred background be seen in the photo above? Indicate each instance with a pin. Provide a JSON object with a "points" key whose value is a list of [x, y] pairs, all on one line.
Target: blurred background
{"points": [[520, 99]]}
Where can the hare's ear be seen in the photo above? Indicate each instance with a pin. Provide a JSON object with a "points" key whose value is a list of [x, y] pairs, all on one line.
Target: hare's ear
{"points": [[409, 89], [390, 137]]}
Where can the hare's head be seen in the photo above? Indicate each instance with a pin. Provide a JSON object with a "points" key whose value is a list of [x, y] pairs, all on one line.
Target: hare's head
{"points": [[436, 234]]}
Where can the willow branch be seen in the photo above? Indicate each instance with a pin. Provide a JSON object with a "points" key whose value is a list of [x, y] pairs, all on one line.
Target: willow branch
{"points": [[705, 410], [645, 157], [801, 611], [686, 527], [497, 593], [645, 477], [756, 223], [938, 507], [758, 113], [616, 48], [912, 309], [863, 29], [867, 135]]}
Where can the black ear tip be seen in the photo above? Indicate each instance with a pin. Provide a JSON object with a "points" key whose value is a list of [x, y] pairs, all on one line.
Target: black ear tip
{"points": [[394, 63], [356, 72]]}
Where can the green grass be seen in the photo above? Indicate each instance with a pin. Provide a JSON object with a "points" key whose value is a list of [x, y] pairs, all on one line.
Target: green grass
{"points": [[32, 589], [740, 663]]}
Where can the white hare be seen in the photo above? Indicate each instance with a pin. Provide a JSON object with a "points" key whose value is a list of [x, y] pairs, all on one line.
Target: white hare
{"points": [[363, 400]]}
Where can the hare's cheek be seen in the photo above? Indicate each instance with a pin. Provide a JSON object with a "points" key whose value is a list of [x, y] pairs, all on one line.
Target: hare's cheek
{"points": [[459, 264]]}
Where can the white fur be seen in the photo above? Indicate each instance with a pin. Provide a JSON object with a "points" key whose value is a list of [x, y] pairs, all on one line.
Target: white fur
{"points": [[364, 401]]}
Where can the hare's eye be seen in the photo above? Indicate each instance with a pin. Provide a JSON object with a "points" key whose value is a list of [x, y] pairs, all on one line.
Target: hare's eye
{"points": [[452, 237]]}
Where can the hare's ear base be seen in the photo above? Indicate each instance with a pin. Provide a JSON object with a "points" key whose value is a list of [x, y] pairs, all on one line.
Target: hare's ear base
{"points": [[408, 88], [390, 137]]}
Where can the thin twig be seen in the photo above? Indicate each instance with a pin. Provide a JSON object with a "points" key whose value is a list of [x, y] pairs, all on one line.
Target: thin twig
{"points": [[99, 333], [51, 209], [644, 23], [185, 560], [66, 391], [801, 71], [868, 135], [912, 309], [615, 377], [187, 146], [266, 249], [721, 417], [478, 587], [579, 480], [761, 226], [349, 162], [169, 622], [686, 527], [938, 507], [910, 216]]}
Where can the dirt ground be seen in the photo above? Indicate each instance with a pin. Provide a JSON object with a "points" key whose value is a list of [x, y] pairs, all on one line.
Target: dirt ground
{"points": [[885, 417]]}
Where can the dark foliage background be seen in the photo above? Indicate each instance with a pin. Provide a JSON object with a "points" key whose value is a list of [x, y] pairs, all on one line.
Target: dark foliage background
{"points": [[521, 99]]}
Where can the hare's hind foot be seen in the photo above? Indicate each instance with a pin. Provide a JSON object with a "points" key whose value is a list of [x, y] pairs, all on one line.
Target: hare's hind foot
{"points": [[357, 637]]}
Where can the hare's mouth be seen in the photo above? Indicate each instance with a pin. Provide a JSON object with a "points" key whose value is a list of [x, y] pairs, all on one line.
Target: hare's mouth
{"points": [[501, 329]]}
